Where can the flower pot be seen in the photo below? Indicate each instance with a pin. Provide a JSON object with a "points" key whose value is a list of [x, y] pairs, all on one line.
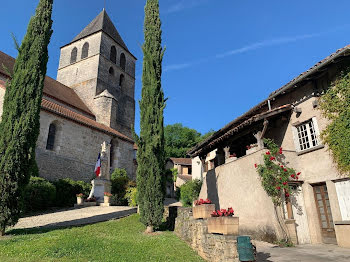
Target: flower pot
{"points": [[223, 225], [80, 200], [106, 199], [203, 211]]}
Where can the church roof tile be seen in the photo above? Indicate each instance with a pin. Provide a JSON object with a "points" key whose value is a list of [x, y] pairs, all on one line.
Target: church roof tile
{"points": [[52, 88], [65, 95]]}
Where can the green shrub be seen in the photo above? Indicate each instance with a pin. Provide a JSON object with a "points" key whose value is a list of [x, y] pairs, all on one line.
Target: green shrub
{"points": [[119, 173], [39, 195], [190, 192], [131, 196], [67, 189], [120, 183]]}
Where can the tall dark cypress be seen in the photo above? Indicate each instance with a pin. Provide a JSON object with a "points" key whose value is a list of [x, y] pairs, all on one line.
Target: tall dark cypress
{"points": [[151, 154], [19, 128]]}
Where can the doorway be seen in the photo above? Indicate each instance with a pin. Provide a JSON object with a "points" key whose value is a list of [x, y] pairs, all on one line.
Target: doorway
{"points": [[324, 213]]}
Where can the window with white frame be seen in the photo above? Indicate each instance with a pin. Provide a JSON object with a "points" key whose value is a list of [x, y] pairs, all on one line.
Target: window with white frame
{"points": [[306, 135]]}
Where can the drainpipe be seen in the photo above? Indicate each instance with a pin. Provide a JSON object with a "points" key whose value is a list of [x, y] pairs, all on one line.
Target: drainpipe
{"points": [[269, 104]]}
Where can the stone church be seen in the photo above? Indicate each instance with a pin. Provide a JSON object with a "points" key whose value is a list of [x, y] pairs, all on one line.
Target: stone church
{"points": [[91, 101]]}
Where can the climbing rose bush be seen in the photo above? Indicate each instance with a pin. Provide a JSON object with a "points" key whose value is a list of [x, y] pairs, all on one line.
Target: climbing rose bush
{"points": [[274, 175], [223, 213]]}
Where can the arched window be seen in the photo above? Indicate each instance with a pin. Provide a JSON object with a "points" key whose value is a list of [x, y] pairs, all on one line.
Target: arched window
{"points": [[85, 51], [113, 55], [122, 61], [51, 137], [111, 156], [121, 80], [73, 55], [111, 71]]}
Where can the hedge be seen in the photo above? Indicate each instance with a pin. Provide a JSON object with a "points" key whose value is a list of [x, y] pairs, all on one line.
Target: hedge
{"points": [[39, 195]]}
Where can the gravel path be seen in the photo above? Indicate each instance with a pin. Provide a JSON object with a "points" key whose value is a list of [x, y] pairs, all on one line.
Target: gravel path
{"points": [[74, 217]]}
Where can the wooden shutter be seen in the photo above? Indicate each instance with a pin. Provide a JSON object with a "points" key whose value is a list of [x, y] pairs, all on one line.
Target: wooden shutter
{"points": [[296, 138], [343, 192]]}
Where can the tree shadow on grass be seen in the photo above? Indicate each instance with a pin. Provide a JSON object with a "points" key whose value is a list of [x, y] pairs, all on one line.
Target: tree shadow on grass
{"points": [[72, 223]]}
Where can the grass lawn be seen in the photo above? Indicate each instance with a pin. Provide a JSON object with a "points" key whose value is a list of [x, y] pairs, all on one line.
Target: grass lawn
{"points": [[119, 240]]}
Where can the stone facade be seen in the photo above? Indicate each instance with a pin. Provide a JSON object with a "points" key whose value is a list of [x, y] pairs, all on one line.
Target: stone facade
{"points": [[212, 247], [76, 150], [101, 110], [91, 76]]}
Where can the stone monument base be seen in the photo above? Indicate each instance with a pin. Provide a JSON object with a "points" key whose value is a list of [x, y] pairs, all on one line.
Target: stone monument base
{"points": [[99, 187]]}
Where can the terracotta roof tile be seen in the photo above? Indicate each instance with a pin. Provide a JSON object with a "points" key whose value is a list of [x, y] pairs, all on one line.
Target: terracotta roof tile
{"points": [[181, 161], [62, 111], [185, 177], [80, 119], [52, 88]]}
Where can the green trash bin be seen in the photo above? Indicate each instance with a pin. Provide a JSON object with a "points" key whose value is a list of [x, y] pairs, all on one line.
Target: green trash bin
{"points": [[245, 249]]}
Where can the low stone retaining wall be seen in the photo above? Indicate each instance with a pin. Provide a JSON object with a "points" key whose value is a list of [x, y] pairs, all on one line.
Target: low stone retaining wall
{"points": [[211, 247]]}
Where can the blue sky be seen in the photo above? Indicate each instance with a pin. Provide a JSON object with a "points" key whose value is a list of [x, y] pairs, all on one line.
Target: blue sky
{"points": [[222, 57]]}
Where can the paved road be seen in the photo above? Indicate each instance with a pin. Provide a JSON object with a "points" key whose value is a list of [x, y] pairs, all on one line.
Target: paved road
{"points": [[75, 217], [307, 253]]}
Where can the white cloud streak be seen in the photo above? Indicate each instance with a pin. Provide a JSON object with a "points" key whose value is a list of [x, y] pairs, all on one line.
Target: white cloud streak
{"points": [[181, 5], [177, 66], [266, 43], [255, 46]]}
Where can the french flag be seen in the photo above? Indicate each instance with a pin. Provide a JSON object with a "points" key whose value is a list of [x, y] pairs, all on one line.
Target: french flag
{"points": [[98, 166]]}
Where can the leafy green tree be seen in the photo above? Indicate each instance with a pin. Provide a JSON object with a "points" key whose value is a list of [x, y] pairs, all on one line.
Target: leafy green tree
{"points": [[151, 154], [20, 125], [179, 139]]}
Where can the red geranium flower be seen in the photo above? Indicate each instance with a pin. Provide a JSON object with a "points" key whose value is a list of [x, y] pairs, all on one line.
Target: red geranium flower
{"points": [[285, 170], [278, 188], [255, 165], [284, 183], [268, 153], [272, 158], [293, 176], [298, 174], [280, 151], [287, 194]]}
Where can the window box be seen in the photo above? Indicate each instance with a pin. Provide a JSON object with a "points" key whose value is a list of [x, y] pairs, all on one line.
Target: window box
{"points": [[223, 225], [203, 211]]}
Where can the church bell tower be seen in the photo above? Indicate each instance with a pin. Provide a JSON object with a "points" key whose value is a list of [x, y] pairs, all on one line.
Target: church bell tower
{"points": [[98, 66]]}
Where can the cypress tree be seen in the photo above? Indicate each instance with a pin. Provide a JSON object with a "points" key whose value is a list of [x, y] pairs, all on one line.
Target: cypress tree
{"points": [[151, 154], [19, 128]]}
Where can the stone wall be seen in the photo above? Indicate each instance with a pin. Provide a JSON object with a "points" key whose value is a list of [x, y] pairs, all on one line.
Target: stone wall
{"points": [[237, 185], [211, 247], [76, 150]]}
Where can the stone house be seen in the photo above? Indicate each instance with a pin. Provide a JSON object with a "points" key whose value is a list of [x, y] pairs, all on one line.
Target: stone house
{"points": [[184, 173], [91, 101], [318, 210]]}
